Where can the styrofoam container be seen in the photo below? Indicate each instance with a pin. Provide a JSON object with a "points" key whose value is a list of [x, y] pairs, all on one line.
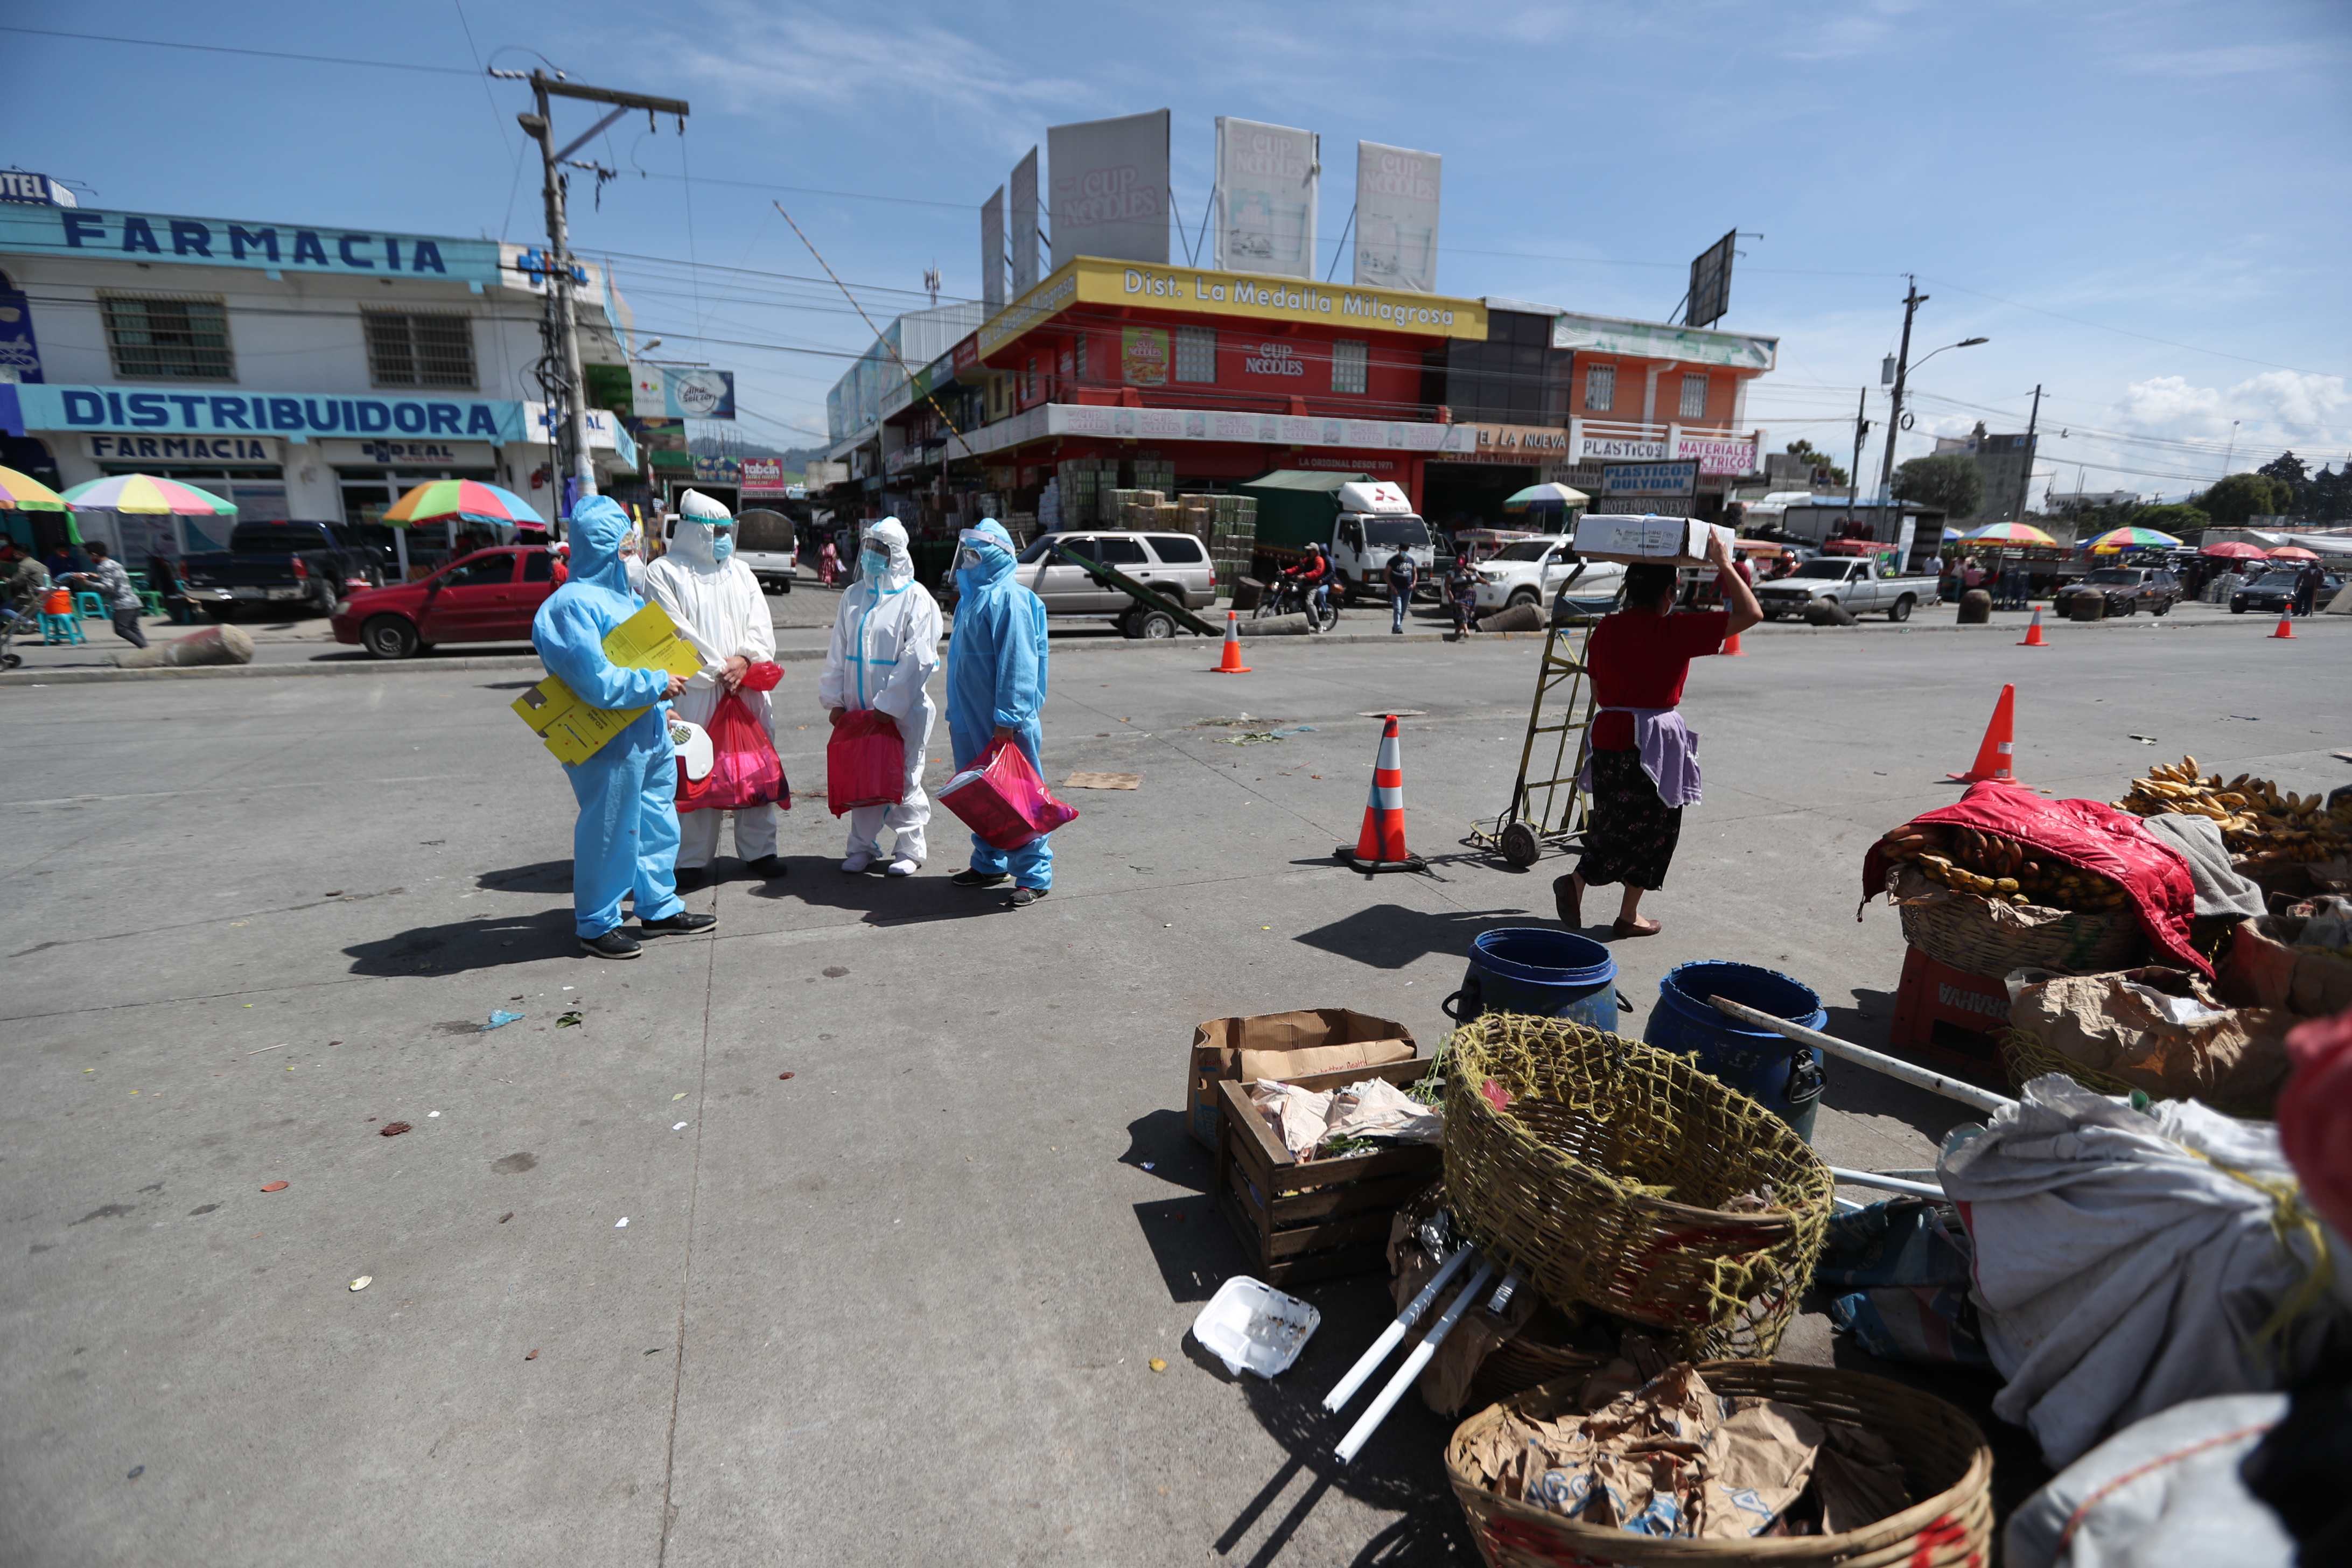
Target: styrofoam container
{"points": [[1249, 1324], [1617, 536]]}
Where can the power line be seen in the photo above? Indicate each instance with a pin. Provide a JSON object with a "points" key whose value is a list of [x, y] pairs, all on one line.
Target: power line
{"points": [[225, 49], [2126, 332]]}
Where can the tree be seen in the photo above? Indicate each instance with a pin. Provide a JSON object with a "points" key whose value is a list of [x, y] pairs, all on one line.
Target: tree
{"points": [[2181, 521], [1949, 479], [1805, 452], [2240, 496], [2292, 471]]}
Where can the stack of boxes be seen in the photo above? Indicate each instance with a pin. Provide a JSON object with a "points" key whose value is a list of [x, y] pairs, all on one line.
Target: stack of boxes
{"points": [[1084, 482], [1232, 537], [1150, 471], [1193, 513]]}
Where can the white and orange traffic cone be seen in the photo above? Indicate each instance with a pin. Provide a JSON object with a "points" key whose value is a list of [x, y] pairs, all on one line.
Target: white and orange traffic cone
{"points": [[1994, 757], [2033, 638], [1381, 845], [1231, 664], [2285, 626]]}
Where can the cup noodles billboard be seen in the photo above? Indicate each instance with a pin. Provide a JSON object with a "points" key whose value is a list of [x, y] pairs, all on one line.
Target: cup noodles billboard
{"points": [[1110, 188], [1396, 217], [1266, 178]]}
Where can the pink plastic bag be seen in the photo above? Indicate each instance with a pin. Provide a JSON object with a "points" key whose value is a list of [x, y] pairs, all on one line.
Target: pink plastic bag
{"points": [[1002, 798], [744, 768], [865, 762]]}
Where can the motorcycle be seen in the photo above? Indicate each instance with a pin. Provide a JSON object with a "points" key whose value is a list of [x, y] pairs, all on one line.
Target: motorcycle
{"points": [[1288, 597]]}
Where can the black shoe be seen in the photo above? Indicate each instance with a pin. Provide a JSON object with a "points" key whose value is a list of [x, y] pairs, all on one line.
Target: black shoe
{"points": [[765, 865], [683, 924], [968, 878], [1024, 896], [613, 943], [692, 878]]}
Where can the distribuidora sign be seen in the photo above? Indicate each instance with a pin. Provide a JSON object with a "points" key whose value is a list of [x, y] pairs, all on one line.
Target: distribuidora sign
{"points": [[1397, 194], [1267, 177], [1110, 187]]}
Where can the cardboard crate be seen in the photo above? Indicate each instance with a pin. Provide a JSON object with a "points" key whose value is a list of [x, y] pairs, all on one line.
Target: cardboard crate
{"points": [[1678, 540], [1324, 1217], [1951, 1020]]}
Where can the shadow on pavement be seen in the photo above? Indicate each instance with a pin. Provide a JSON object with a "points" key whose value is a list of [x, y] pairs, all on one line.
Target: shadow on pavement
{"points": [[544, 876], [1857, 1090], [486, 943], [819, 882], [1390, 936]]}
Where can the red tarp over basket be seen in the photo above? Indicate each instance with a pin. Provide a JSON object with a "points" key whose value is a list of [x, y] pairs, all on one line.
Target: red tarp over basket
{"points": [[2089, 833]]}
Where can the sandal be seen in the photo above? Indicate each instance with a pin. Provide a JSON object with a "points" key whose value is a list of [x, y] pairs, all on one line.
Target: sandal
{"points": [[1571, 902], [1625, 928]]}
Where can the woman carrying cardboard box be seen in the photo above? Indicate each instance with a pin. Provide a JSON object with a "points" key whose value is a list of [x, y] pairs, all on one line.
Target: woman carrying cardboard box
{"points": [[1643, 765]]}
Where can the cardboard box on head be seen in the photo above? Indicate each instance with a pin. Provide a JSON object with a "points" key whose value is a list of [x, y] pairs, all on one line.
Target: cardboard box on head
{"points": [[1663, 541]]}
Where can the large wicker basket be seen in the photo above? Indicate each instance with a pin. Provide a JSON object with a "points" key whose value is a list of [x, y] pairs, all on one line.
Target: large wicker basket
{"points": [[1946, 1464], [1602, 1175], [2025, 1058], [1964, 931]]}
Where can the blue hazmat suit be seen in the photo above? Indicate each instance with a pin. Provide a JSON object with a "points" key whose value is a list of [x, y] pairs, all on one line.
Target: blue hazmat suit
{"points": [[627, 837], [996, 676]]}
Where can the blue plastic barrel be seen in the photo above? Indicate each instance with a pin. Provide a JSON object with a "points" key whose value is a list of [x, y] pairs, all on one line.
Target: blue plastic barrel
{"points": [[1784, 1076], [1538, 971]]}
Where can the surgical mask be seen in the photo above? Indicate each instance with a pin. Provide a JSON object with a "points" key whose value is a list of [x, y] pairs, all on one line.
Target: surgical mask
{"points": [[968, 558], [722, 544], [873, 562]]}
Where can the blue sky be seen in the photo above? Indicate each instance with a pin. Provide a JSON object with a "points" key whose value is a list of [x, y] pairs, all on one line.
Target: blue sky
{"points": [[2142, 204]]}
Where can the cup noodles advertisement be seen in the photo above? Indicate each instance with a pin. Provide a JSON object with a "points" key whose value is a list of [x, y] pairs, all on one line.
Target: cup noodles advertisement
{"points": [[1396, 217], [1110, 188], [1266, 180]]}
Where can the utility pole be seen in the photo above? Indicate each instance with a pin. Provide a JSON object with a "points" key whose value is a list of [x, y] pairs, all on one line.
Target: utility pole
{"points": [[564, 384], [1911, 304], [2025, 486], [1861, 429]]}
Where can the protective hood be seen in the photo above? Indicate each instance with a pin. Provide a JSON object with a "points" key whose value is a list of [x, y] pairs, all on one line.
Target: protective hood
{"points": [[889, 535], [995, 552], [598, 526], [699, 508], [693, 544]]}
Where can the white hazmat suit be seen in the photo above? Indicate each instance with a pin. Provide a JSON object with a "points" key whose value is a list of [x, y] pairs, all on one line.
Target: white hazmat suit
{"points": [[706, 590], [885, 643]]}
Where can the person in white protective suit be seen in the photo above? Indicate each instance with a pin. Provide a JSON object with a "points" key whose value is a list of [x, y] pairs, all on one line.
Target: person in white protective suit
{"points": [[885, 643], [715, 596]]}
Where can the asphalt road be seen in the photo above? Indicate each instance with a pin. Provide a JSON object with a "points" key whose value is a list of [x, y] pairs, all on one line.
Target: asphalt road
{"points": [[898, 1306]]}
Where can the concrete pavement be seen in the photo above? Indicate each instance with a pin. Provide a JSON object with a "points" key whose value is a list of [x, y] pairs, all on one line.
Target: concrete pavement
{"points": [[900, 1305]]}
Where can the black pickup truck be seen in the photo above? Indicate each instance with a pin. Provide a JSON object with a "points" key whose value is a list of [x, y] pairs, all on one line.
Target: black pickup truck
{"points": [[282, 566]]}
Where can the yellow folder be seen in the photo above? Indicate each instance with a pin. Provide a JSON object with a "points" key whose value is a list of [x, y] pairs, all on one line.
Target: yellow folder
{"points": [[575, 731]]}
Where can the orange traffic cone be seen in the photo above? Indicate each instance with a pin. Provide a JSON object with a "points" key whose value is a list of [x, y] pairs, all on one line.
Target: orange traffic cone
{"points": [[2285, 628], [1381, 845], [1999, 741], [1231, 664], [1731, 647], [2033, 638]]}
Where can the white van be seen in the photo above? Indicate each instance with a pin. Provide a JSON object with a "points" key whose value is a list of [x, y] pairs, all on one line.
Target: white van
{"points": [[766, 543]]}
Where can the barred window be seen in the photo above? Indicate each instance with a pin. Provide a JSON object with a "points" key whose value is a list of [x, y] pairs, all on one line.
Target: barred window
{"points": [[1347, 362], [419, 350], [1600, 388], [1694, 397], [168, 339], [1196, 353], [1082, 357]]}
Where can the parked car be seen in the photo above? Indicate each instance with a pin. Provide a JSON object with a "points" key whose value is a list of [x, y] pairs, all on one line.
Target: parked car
{"points": [[281, 564], [1172, 565], [2273, 592], [1858, 584], [489, 595], [1532, 571], [2126, 589], [767, 542]]}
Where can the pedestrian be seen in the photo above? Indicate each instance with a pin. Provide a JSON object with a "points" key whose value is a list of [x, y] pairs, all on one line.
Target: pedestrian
{"points": [[1312, 577], [111, 583], [828, 563], [1403, 576], [2306, 587], [1461, 589], [709, 591], [23, 580], [625, 839], [59, 563], [1971, 574], [1642, 767], [885, 643], [996, 690]]}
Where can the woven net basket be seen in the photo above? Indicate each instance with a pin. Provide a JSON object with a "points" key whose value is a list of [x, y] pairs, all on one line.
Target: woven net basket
{"points": [[1601, 1181], [1961, 929], [1946, 1464]]}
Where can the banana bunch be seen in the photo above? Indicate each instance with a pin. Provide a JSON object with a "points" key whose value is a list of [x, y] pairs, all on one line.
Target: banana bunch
{"points": [[1991, 867], [2259, 821]]}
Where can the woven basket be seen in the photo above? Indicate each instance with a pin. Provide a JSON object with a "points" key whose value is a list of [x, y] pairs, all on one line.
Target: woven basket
{"points": [[1946, 1463], [2026, 1058], [1549, 1186], [1520, 1363], [1959, 929]]}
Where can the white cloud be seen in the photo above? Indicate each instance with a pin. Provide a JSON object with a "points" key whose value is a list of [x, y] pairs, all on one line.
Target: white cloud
{"points": [[2284, 404]]}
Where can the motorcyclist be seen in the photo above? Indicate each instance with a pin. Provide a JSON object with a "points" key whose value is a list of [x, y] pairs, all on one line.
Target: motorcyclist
{"points": [[1312, 578]]}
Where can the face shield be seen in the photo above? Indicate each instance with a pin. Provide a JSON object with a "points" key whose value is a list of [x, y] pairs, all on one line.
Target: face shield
{"points": [[970, 548]]}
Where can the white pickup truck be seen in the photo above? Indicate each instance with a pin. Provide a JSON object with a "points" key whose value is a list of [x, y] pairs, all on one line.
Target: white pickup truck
{"points": [[1860, 585]]}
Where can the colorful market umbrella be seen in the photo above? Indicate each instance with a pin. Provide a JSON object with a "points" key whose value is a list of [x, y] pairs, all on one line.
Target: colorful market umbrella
{"points": [[2234, 550], [2116, 538], [145, 493], [2293, 553], [19, 493], [1544, 495], [2008, 533], [461, 500]]}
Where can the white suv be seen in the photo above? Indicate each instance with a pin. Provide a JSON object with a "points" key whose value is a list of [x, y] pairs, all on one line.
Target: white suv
{"points": [[1531, 572]]}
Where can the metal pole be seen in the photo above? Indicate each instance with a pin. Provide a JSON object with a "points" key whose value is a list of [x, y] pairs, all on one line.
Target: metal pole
{"points": [[1886, 1184], [567, 322], [2025, 486], [1861, 429], [1911, 304], [1950, 1087]]}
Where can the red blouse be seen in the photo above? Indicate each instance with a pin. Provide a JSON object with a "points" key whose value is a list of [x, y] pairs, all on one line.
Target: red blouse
{"points": [[1640, 658]]}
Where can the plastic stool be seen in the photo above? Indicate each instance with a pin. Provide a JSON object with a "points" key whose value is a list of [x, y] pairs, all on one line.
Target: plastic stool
{"points": [[56, 629], [92, 606]]}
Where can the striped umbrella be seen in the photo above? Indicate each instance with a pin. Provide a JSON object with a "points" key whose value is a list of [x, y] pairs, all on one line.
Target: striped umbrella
{"points": [[145, 493], [18, 491], [2008, 533], [2120, 539], [461, 500]]}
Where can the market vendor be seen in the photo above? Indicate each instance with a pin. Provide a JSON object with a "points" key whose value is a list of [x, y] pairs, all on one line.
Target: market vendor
{"points": [[1643, 766]]}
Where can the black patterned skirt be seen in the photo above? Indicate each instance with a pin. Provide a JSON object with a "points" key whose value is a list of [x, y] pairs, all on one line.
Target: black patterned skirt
{"points": [[1630, 834]]}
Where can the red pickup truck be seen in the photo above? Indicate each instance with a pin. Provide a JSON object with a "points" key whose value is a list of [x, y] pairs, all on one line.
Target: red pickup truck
{"points": [[488, 596]]}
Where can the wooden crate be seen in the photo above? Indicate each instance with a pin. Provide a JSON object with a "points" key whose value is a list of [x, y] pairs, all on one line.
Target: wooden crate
{"points": [[1324, 1217]]}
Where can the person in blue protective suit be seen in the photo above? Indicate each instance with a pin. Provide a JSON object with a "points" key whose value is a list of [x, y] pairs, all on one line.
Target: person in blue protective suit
{"points": [[996, 687], [627, 837]]}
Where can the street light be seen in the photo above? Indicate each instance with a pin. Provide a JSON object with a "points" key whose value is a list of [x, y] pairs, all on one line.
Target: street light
{"points": [[1911, 304]]}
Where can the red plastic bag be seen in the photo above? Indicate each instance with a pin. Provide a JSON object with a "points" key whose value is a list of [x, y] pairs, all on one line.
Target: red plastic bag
{"points": [[744, 768], [865, 762], [1002, 798], [763, 676]]}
